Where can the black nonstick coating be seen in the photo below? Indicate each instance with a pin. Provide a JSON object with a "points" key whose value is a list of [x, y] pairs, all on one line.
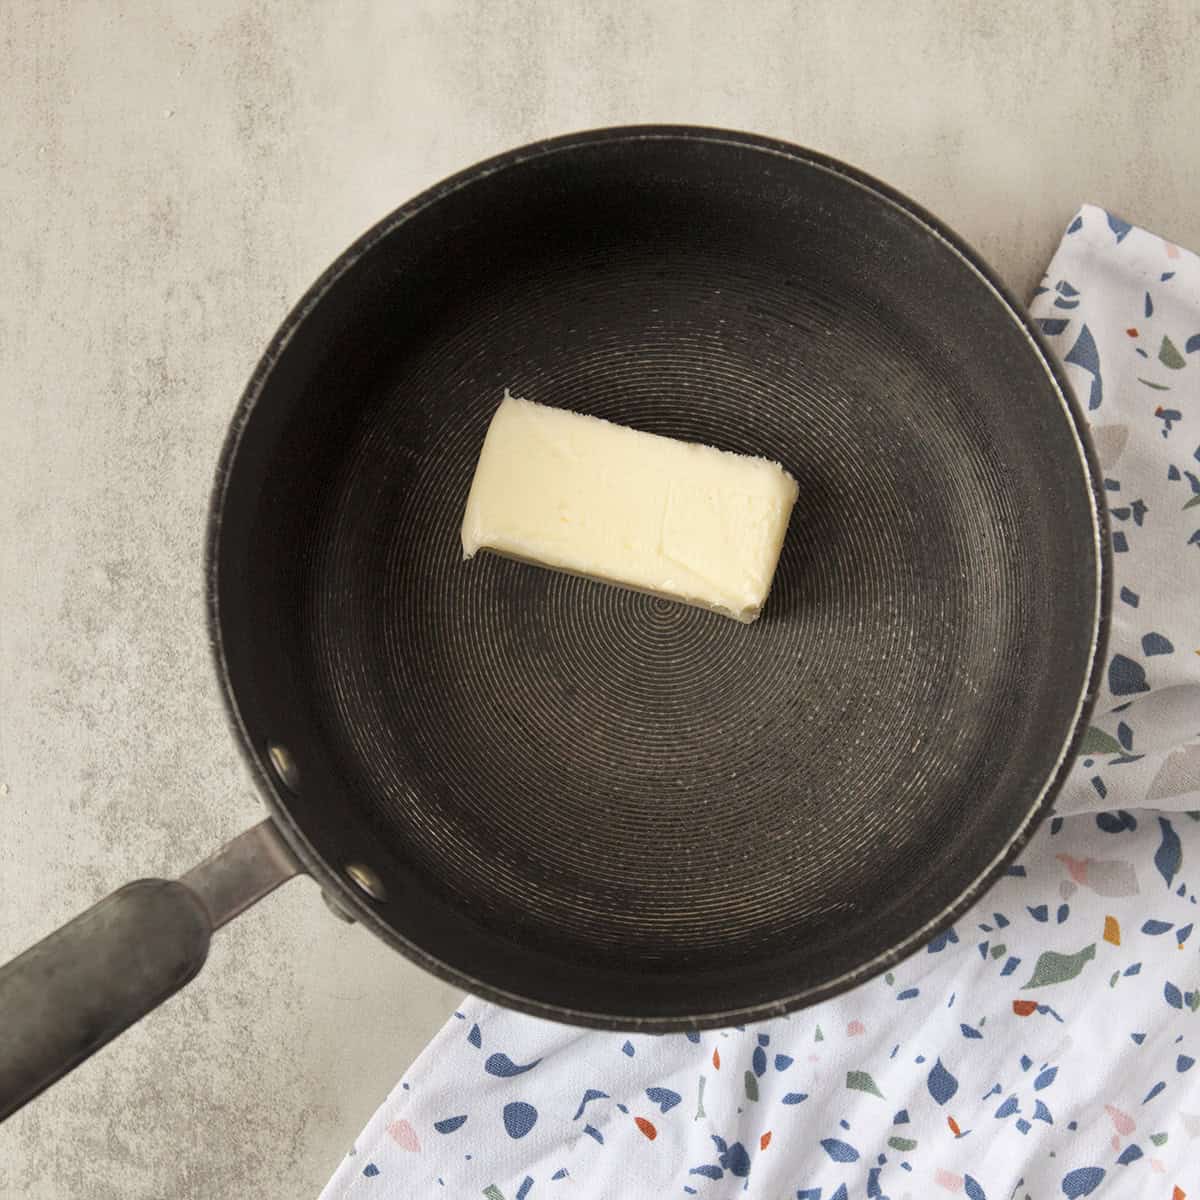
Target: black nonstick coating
{"points": [[610, 808]]}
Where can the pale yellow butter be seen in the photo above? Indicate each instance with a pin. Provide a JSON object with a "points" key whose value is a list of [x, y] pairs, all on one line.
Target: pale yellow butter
{"points": [[674, 518]]}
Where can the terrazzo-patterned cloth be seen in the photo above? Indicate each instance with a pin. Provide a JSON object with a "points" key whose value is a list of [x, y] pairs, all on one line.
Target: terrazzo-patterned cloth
{"points": [[1044, 1047]]}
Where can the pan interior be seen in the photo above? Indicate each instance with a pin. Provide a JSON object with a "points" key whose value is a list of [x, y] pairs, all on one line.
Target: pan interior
{"points": [[594, 799]]}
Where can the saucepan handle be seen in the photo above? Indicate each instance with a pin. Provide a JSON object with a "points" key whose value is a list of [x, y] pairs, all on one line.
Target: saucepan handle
{"points": [[77, 989]]}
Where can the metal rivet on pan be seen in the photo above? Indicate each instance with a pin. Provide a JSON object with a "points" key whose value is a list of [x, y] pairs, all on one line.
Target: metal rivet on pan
{"points": [[335, 908], [367, 880], [284, 765]]}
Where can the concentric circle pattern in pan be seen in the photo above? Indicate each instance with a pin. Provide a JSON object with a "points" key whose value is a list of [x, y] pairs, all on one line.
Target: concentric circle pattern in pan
{"points": [[618, 806]]}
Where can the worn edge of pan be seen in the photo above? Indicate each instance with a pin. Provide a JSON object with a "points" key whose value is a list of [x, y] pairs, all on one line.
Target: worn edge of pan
{"points": [[276, 801]]}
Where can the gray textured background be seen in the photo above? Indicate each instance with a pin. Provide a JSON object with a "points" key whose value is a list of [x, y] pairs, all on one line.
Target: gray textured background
{"points": [[170, 182]]}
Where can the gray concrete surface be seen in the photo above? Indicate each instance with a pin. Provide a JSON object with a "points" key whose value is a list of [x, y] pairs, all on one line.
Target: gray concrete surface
{"points": [[171, 178]]}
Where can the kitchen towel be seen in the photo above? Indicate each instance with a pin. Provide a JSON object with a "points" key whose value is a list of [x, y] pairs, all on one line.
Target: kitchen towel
{"points": [[1048, 1044]]}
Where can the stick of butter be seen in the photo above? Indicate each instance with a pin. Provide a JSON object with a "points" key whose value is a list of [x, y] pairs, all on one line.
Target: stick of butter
{"points": [[673, 518]]}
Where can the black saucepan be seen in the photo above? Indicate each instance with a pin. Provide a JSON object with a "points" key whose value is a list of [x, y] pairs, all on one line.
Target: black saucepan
{"points": [[583, 802]]}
